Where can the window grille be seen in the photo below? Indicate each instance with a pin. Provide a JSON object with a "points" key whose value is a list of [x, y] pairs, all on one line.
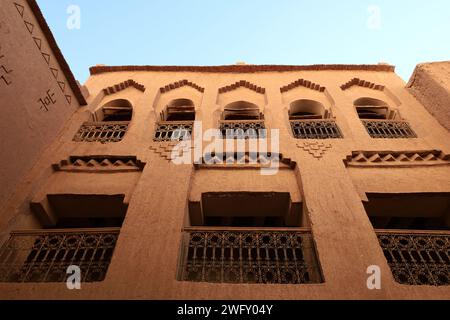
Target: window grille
{"points": [[316, 129], [248, 256], [44, 256], [389, 129], [169, 131], [417, 258], [247, 129], [103, 132]]}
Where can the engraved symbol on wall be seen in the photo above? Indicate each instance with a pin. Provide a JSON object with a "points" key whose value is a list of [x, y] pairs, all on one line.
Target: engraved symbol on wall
{"points": [[46, 55], [45, 102], [4, 70]]}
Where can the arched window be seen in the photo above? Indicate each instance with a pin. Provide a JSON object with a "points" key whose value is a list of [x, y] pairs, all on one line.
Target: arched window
{"points": [[110, 123], [117, 110], [242, 110], [180, 110], [177, 121], [370, 109], [306, 109], [242, 120], [380, 120], [310, 120]]}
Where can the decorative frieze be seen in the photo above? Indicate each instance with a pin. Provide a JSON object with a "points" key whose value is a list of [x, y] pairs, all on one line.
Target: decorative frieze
{"points": [[100, 164], [397, 158], [302, 83], [122, 86], [180, 84], [243, 84], [315, 148]]}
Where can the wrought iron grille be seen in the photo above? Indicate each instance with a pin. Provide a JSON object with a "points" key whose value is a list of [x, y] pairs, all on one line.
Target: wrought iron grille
{"points": [[246, 256], [316, 129], [44, 256], [389, 129], [417, 258], [103, 132], [243, 129], [168, 131]]}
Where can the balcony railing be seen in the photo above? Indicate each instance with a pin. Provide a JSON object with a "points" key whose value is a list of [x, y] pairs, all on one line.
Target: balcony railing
{"points": [[174, 131], [243, 129], [235, 255], [389, 129], [315, 129], [45, 255], [417, 257], [103, 132]]}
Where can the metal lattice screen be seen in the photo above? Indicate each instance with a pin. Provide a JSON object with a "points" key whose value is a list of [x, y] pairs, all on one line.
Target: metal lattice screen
{"points": [[316, 129], [278, 257], [389, 129], [243, 129], [417, 258], [103, 132], [173, 131], [44, 256]]}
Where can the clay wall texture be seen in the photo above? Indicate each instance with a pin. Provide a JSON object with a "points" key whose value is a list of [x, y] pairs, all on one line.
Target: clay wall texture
{"points": [[36, 90], [430, 84], [330, 183]]}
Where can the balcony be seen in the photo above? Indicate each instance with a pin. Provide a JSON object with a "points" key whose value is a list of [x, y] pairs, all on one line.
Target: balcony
{"points": [[417, 257], [250, 255], [388, 129], [103, 132], [173, 131], [315, 129], [243, 129], [44, 255]]}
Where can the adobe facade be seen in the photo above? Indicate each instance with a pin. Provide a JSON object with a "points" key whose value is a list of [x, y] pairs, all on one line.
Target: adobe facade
{"points": [[38, 91], [362, 180]]}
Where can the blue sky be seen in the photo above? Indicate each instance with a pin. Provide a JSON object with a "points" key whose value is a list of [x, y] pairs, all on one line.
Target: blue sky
{"points": [[217, 32]]}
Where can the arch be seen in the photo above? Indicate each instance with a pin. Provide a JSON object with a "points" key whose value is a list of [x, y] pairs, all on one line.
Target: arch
{"points": [[371, 108], [244, 84], [179, 110], [304, 109], [242, 110], [116, 110], [122, 86], [180, 84]]}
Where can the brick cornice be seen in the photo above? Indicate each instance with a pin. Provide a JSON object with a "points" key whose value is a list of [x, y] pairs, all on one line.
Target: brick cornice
{"points": [[244, 68]]}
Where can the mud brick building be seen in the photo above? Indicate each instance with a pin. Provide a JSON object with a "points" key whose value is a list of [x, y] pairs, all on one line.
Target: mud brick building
{"points": [[89, 179]]}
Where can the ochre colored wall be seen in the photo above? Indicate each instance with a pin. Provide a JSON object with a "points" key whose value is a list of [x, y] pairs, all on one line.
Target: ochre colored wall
{"points": [[35, 95], [145, 261], [430, 84]]}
